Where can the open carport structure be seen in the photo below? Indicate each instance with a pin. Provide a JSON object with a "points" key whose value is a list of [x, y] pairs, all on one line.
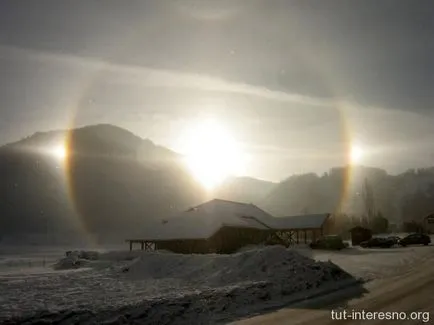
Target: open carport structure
{"points": [[301, 228]]}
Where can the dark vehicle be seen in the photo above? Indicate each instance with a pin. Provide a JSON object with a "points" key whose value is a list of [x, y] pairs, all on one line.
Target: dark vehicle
{"points": [[329, 242], [415, 239], [394, 239], [378, 242]]}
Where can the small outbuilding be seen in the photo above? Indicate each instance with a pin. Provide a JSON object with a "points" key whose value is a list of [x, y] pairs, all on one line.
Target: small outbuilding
{"points": [[360, 234], [428, 223]]}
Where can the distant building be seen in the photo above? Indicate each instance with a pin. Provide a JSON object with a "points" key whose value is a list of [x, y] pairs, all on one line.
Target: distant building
{"points": [[360, 234], [428, 223], [221, 226]]}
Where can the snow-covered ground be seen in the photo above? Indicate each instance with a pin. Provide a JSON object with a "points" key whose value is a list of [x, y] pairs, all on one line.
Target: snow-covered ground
{"points": [[371, 264], [153, 286], [166, 288]]}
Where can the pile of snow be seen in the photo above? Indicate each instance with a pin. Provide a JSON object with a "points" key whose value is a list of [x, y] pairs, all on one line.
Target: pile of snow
{"points": [[218, 306], [277, 265], [162, 287], [86, 255], [76, 259], [84, 259], [251, 248]]}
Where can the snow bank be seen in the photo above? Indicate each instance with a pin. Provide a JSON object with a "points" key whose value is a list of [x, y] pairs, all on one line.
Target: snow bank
{"points": [[162, 287], [216, 306], [85, 259], [169, 288], [75, 260], [166, 288], [274, 264]]}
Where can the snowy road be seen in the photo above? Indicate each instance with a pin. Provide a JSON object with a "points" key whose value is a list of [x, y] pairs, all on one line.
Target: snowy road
{"points": [[409, 292]]}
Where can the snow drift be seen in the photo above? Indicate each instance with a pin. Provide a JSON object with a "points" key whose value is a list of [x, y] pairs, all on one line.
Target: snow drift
{"points": [[162, 287], [275, 264]]}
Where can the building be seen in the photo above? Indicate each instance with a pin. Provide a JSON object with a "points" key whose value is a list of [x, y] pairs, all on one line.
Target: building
{"points": [[428, 223], [221, 226], [360, 234], [301, 228]]}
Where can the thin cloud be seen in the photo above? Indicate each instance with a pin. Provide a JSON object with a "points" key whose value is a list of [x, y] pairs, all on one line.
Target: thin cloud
{"points": [[149, 77]]}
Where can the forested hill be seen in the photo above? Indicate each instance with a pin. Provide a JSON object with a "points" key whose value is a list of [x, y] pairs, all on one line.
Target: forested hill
{"points": [[112, 182]]}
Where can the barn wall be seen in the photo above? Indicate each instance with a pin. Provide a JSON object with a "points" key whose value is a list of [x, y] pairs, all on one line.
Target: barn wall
{"points": [[227, 240], [230, 239], [190, 246]]}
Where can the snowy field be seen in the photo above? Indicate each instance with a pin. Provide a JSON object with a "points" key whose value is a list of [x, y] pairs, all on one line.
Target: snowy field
{"points": [[165, 288]]}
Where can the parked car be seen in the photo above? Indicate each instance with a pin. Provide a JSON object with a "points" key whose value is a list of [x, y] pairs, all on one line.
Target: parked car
{"points": [[329, 242], [379, 242], [394, 239], [415, 239]]}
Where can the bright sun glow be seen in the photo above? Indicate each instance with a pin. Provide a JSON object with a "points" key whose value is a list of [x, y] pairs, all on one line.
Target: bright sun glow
{"points": [[59, 152], [211, 153], [356, 154]]}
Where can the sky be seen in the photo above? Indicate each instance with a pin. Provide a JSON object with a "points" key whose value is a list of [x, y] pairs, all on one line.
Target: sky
{"points": [[294, 81]]}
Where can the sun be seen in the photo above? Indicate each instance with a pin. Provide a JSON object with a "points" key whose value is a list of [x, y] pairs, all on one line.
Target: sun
{"points": [[356, 154], [59, 152], [211, 153]]}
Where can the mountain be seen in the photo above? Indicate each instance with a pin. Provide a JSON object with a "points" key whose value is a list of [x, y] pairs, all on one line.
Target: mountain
{"points": [[111, 182], [400, 198], [244, 189]]}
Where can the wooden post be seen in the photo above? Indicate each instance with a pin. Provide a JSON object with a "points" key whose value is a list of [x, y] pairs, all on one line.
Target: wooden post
{"points": [[291, 238], [131, 245], [305, 236], [148, 246], [298, 242], [143, 245]]}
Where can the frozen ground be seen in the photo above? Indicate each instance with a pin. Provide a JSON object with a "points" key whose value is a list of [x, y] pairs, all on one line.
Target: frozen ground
{"points": [[165, 288]]}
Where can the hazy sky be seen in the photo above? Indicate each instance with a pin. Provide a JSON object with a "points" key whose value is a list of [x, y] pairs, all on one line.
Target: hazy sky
{"points": [[292, 80]]}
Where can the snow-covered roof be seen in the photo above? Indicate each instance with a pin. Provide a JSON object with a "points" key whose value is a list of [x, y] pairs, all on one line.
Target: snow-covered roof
{"points": [[309, 221], [204, 220]]}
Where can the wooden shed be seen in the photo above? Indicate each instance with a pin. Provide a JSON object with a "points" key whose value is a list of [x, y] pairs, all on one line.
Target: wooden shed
{"points": [[360, 234]]}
